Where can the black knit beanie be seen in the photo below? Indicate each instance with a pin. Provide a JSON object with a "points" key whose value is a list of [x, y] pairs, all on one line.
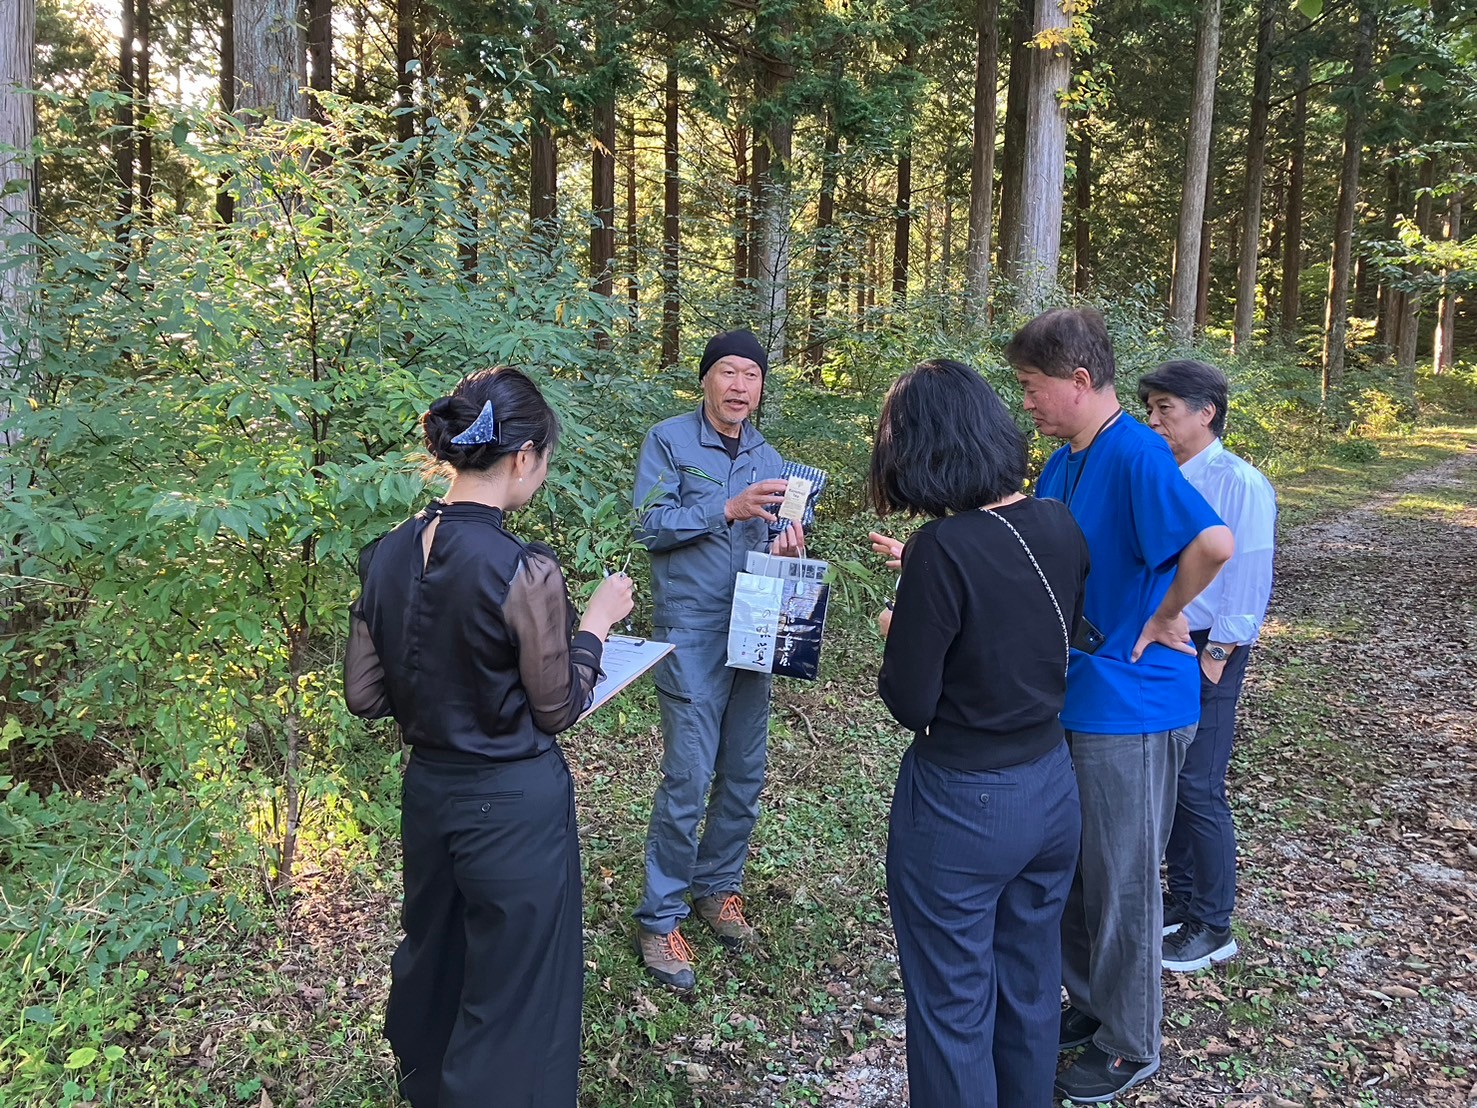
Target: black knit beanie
{"points": [[741, 343]]}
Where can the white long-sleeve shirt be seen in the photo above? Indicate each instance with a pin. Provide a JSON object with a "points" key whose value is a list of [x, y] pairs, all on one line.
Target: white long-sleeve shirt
{"points": [[1233, 606]]}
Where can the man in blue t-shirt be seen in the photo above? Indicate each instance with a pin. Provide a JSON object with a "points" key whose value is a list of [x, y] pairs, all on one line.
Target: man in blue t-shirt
{"points": [[1133, 692]]}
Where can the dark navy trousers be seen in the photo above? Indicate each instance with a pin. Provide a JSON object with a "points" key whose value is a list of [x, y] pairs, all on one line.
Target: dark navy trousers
{"points": [[978, 869], [1201, 855]]}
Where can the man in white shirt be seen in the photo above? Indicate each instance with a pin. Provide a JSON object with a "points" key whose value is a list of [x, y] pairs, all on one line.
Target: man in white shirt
{"points": [[1186, 404]]}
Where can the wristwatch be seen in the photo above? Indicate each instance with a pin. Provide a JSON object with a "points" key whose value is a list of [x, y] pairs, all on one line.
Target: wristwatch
{"points": [[1217, 653]]}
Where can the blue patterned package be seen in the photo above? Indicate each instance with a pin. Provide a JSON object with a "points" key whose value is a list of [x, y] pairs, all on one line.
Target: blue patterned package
{"points": [[817, 479], [778, 621]]}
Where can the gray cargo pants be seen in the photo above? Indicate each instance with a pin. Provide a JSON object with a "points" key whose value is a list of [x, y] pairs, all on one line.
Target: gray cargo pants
{"points": [[715, 726], [1111, 943]]}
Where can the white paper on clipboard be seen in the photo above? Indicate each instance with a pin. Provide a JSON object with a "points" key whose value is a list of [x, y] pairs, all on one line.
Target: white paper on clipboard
{"points": [[625, 658]]}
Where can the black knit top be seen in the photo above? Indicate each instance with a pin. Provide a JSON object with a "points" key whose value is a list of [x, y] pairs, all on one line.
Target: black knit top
{"points": [[975, 661], [470, 645]]}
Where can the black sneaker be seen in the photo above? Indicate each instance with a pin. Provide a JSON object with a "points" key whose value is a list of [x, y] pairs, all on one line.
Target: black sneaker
{"points": [[1176, 913], [1097, 1077], [1077, 1028], [1196, 945]]}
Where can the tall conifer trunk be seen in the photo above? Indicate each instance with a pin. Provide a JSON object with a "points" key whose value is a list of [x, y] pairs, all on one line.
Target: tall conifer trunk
{"points": [[407, 15], [982, 161], [772, 243], [602, 203], [1202, 268], [1012, 157], [144, 33], [1186, 276], [1082, 211], [903, 202], [123, 146], [1443, 345], [543, 174], [320, 53], [758, 174], [19, 198], [1044, 170], [1292, 236], [1256, 161], [825, 248], [602, 195], [1387, 317], [359, 91], [633, 238], [1341, 265], [543, 142], [741, 197], [902, 224], [225, 204], [671, 220], [1408, 331], [269, 52]]}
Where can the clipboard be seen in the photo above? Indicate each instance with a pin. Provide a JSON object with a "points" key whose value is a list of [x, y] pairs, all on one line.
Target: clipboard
{"points": [[624, 659]]}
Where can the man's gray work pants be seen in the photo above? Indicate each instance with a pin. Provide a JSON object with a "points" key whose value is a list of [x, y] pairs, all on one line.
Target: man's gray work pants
{"points": [[1112, 945], [715, 724]]}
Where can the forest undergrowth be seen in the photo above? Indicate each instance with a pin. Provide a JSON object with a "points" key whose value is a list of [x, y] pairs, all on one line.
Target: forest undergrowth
{"points": [[148, 955]]}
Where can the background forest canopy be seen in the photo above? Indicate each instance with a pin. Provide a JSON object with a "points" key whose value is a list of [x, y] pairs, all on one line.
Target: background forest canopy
{"points": [[247, 242]]}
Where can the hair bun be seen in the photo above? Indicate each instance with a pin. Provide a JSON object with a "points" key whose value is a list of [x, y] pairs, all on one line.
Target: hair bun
{"points": [[437, 425]]}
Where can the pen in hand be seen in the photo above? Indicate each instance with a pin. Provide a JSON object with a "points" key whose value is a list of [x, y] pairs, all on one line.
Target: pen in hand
{"points": [[625, 623]]}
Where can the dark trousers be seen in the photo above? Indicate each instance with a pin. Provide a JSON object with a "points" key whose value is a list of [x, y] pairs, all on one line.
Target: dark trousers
{"points": [[978, 868], [486, 986], [1201, 854]]}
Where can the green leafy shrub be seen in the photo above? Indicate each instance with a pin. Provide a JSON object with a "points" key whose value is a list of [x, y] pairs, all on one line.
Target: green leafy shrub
{"points": [[1376, 412], [219, 418], [1453, 392]]}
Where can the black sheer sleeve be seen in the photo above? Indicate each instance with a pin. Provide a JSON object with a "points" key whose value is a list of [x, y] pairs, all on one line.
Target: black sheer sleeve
{"points": [[365, 691], [364, 674], [558, 672]]}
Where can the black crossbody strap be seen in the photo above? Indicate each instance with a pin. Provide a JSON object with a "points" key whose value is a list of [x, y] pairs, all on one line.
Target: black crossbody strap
{"points": [[1061, 619]]}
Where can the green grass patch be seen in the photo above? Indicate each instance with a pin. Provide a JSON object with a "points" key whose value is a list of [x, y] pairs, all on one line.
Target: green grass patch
{"points": [[1328, 485]]}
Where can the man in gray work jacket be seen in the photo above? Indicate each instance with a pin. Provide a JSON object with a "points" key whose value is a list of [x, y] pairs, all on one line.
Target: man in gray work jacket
{"points": [[707, 486]]}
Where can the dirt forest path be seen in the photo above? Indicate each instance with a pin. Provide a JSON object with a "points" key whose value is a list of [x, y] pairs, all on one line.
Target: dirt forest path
{"points": [[1355, 790]]}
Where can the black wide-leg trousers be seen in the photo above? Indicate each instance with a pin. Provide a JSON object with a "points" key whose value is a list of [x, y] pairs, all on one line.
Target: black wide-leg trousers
{"points": [[486, 986]]}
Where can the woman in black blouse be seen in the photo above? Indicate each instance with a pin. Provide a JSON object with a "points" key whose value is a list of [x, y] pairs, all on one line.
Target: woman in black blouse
{"points": [[465, 634], [985, 823]]}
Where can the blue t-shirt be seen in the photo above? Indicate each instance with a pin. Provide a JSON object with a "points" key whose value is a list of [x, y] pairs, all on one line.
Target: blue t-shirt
{"points": [[1138, 512]]}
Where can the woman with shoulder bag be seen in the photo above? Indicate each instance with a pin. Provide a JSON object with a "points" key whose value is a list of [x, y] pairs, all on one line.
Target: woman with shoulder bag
{"points": [[985, 823]]}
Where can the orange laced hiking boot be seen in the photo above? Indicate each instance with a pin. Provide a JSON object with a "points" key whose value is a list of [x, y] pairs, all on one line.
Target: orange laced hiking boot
{"points": [[724, 915], [667, 957]]}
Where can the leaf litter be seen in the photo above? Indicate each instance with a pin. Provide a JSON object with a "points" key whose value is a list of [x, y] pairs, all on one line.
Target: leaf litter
{"points": [[1355, 792]]}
